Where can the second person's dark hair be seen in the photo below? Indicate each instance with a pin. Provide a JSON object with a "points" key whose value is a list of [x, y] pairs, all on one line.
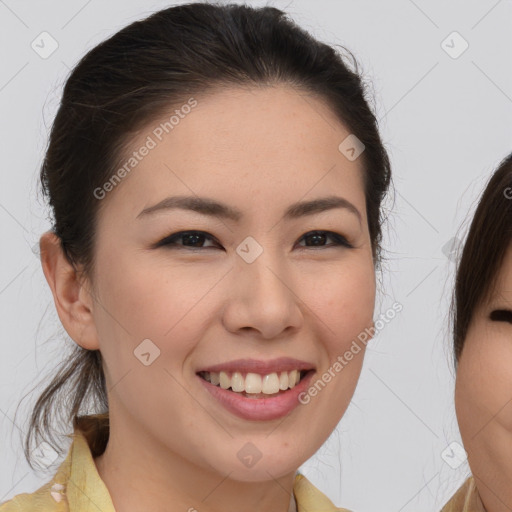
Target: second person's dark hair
{"points": [[489, 237]]}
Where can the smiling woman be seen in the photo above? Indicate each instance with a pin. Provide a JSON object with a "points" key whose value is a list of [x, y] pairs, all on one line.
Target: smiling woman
{"points": [[208, 287]]}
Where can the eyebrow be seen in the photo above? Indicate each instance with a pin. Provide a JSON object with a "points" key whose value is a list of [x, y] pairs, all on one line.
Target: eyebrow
{"points": [[212, 208]]}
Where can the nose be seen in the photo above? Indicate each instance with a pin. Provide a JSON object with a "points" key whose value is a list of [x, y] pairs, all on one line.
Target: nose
{"points": [[262, 298]]}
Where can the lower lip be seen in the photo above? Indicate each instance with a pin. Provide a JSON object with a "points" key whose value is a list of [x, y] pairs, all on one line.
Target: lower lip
{"points": [[260, 409]]}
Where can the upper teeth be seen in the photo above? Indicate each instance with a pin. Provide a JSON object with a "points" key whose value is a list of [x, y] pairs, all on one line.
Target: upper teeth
{"points": [[254, 382]]}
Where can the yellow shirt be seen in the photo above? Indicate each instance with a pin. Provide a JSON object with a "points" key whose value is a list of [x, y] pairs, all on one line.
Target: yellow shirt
{"points": [[77, 486], [466, 499]]}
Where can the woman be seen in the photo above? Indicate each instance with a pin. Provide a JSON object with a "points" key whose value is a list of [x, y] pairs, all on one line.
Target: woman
{"points": [[216, 178], [482, 331]]}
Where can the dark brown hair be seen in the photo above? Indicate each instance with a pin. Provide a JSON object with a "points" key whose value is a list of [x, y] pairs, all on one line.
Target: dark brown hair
{"points": [[488, 239], [138, 74]]}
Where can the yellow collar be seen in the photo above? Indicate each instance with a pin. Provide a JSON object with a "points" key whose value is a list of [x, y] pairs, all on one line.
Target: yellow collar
{"points": [[466, 499]]}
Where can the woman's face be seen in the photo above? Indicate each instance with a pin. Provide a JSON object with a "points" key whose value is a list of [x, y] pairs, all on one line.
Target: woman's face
{"points": [[483, 394], [252, 288]]}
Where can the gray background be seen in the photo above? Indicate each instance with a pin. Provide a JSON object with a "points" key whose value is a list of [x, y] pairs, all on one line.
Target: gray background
{"points": [[446, 122]]}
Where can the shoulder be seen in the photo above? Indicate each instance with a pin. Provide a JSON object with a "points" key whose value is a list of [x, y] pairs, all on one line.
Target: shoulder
{"points": [[78, 467], [10, 506], [50, 497], [47, 498], [310, 498], [465, 499]]}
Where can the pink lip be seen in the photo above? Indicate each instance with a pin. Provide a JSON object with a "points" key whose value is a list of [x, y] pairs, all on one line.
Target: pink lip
{"points": [[281, 364], [262, 409]]}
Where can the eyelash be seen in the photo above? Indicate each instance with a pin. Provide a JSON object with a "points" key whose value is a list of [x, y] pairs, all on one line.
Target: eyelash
{"points": [[501, 315], [170, 241]]}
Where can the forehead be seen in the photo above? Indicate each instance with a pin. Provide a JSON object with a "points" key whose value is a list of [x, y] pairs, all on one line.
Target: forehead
{"points": [[278, 144]]}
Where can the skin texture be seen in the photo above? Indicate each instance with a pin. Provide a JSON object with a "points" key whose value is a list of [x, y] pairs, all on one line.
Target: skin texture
{"points": [[259, 150], [483, 396]]}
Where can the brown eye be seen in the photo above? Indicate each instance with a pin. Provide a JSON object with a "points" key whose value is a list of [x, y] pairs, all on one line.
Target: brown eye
{"points": [[317, 237], [501, 315], [187, 240]]}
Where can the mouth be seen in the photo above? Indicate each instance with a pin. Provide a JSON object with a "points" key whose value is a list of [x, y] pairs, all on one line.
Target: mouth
{"points": [[256, 385]]}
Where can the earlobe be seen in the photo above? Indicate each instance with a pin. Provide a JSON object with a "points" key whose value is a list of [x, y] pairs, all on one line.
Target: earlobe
{"points": [[72, 300]]}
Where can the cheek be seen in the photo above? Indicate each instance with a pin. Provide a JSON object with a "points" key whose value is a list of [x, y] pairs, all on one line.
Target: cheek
{"points": [[483, 390], [165, 305], [342, 298], [343, 305], [150, 293], [142, 301], [346, 298]]}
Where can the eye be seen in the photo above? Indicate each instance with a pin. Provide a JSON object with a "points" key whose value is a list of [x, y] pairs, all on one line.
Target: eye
{"points": [[195, 239], [501, 315], [317, 237]]}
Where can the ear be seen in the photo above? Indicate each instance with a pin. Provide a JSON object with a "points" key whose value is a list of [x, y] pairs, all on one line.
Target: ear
{"points": [[72, 299]]}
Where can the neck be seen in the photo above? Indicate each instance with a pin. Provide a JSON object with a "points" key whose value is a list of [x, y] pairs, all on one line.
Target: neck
{"points": [[149, 476]]}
